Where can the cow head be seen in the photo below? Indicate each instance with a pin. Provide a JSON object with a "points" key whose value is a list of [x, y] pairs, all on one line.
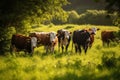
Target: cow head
{"points": [[33, 42], [52, 36], [67, 34], [93, 30]]}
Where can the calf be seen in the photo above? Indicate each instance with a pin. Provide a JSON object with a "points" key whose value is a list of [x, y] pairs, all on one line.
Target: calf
{"points": [[64, 38], [24, 43]]}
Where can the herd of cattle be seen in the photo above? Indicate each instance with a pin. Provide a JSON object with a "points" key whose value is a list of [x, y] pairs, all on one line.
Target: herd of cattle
{"points": [[80, 38]]}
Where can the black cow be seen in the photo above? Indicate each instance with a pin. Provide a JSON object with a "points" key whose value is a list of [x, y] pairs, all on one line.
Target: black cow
{"points": [[82, 38]]}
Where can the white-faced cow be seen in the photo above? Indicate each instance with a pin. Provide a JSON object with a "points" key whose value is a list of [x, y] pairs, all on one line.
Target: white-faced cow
{"points": [[23, 43], [64, 38], [83, 38], [47, 39]]}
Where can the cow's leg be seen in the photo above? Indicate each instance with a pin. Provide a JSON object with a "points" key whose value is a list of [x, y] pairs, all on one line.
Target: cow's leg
{"points": [[85, 48], [79, 48], [90, 45], [67, 47], [76, 48], [58, 46], [31, 53], [46, 48], [12, 49], [108, 43], [51, 49]]}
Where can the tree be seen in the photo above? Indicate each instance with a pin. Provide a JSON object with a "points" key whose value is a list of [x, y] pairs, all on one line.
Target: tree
{"points": [[113, 6], [12, 12], [16, 13]]}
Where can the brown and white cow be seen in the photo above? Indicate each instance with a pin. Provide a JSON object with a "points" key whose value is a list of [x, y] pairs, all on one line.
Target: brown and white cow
{"points": [[64, 38], [107, 36], [93, 32], [83, 38], [47, 39], [23, 43]]}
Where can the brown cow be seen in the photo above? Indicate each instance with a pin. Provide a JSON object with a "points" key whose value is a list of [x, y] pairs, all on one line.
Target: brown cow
{"points": [[64, 38], [23, 43], [51, 47], [92, 35], [107, 36], [47, 39]]}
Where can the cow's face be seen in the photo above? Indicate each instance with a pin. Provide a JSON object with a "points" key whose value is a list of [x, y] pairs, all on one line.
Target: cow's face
{"points": [[33, 42], [52, 36], [93, 30], [67, 35]]}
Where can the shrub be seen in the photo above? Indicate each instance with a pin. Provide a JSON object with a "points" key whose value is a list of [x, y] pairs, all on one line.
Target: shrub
{"points": [[73, 17], [95, 17], [109, 62], [5, 37]]}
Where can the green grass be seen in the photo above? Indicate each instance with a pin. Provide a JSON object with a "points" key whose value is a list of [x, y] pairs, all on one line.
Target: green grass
{"points": [[65, 66]]}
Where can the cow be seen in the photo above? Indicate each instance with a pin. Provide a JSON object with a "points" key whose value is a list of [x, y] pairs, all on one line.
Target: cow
{"points": [[83, 38], [64, 38], [52, 46], [23, 43], [107, 37], [92, 35], [47, 39]]}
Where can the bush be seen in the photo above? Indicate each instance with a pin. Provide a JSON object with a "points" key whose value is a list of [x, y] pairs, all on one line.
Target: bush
{"points": [[5, 37], [95, 17], [73, 17], [109, 62], [23, 28]]}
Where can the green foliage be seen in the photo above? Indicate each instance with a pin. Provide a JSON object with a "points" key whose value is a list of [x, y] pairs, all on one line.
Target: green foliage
{"points": [[73, 17], [25, 28], [111, 7], [95, 17], [109, 62], [17, 11], [5, 37], [114, 6], [117, 22]]}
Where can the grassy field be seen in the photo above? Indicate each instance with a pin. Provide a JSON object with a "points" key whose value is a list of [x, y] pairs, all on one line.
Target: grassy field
{"points": [[100, 63]]}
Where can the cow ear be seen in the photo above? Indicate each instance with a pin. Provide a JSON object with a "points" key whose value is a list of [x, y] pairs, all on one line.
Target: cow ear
{"points": [[57, 35], [90, 29], [70, 32], [98, 29]]}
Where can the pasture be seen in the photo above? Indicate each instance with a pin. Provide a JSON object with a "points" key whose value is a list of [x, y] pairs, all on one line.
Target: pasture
{"points": [[100, 63]]}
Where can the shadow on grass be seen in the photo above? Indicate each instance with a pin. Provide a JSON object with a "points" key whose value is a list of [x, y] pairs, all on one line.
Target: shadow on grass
{"points": [[85, 76], [73, 76]]}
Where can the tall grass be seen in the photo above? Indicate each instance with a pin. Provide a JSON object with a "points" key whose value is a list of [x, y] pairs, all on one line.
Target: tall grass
{"points": [[65, 66]]}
